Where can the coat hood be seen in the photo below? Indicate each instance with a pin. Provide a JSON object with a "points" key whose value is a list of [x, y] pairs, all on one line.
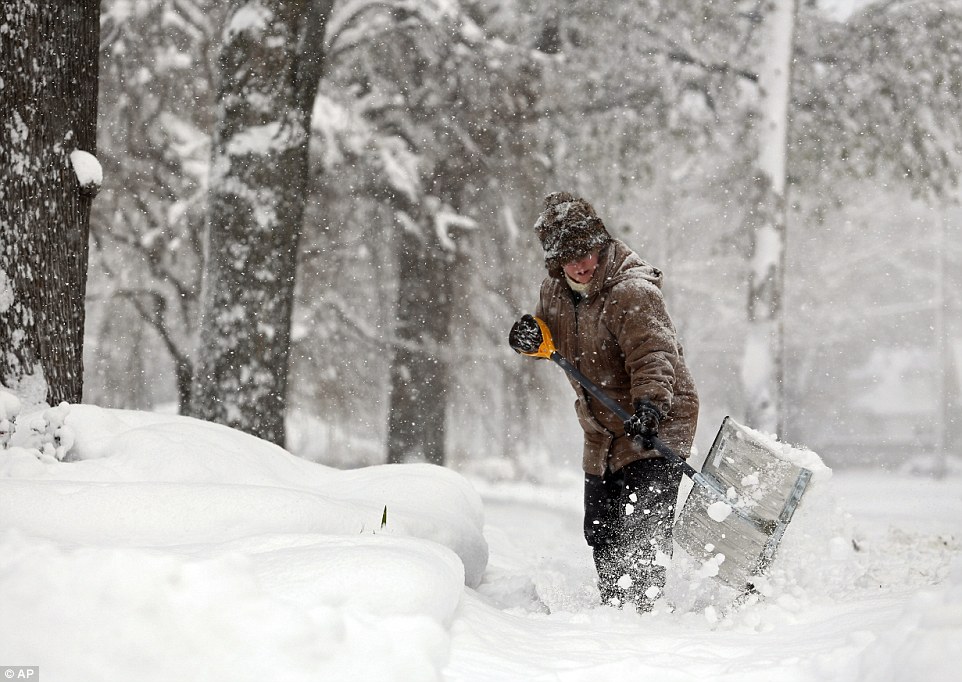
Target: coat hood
{"points": [[618, 263]]}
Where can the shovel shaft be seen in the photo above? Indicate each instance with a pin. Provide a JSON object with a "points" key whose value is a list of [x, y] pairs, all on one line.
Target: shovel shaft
{"points": [[622, 414], [710, 484]]}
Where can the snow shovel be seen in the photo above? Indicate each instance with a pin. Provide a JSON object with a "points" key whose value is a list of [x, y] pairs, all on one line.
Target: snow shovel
{"points": [[742, 500]]}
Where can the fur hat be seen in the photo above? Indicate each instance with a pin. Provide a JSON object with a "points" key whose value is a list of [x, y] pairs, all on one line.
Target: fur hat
{"points": [[569, 229]]}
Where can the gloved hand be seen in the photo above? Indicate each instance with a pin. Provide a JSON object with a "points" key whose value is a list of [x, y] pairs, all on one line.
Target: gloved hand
{"points": [[644, 423], [525, 335]]}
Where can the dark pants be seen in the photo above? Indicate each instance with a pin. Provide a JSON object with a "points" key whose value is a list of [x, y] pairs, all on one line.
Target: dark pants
{"points": [[628, 519]]}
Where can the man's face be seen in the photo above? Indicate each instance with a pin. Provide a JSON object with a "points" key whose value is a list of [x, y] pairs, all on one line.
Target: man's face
{"points": [[583, 269]]}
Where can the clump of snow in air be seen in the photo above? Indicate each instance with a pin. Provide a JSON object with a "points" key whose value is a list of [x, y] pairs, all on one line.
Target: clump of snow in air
{"points": [[155, 544], [719, 511]]}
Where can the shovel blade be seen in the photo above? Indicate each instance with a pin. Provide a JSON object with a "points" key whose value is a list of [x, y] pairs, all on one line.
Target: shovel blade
{"points": [[762, 487]]}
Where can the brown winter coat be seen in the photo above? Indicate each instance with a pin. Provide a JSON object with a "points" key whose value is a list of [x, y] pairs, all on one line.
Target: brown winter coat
{"points": [[621, 337]]}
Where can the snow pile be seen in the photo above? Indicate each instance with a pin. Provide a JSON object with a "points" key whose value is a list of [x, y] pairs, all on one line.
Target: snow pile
{"points": [[866, 573], [161, 539], [924, 642], [126, 613], [161, 544]]}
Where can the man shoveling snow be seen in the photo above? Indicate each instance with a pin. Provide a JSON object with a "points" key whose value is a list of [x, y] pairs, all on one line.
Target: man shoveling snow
{"points": [[605, 306]]}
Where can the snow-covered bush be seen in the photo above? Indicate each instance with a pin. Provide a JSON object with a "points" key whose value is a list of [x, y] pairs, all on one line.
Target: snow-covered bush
{"points": [[39, 430], [9, 409]]}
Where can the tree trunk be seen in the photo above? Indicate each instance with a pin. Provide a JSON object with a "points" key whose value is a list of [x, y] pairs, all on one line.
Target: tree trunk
{"points": [[763, 363], [48, 105], [417, 419], [270, 66]]}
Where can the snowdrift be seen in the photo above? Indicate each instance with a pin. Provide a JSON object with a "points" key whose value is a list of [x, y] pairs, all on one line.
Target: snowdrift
{"points": [[233, 551]]}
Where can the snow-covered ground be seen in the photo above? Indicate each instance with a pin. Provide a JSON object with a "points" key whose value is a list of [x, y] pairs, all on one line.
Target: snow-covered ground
{"points": [[165, 548]]}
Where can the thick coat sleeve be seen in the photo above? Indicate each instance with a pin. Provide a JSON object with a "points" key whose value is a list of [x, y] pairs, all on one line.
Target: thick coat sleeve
{"points": [[637, 317]]}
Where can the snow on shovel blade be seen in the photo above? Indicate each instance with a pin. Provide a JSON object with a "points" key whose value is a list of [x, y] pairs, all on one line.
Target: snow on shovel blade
{"points": [[741, 533]]}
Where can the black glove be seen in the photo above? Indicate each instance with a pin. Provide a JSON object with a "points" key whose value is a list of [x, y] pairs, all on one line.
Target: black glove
{"points": [[643, 423], [525, 335]]}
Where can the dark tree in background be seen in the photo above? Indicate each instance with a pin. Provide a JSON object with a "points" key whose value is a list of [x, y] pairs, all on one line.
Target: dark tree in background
{"points": [[48, 109], [427, 266], [446, 101], [270, 66]]}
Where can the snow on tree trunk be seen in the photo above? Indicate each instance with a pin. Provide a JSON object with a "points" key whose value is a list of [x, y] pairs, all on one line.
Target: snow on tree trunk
{"points": [[763, 362], [270, 65], [48, 177]]}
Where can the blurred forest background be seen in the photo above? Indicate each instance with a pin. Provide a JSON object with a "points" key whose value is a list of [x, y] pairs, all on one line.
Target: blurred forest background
{"points": [[437, 130]]}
